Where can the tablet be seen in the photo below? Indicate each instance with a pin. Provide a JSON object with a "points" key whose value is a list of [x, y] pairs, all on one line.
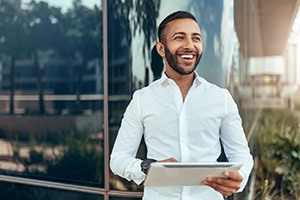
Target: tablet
{"points": [[184, 174]]}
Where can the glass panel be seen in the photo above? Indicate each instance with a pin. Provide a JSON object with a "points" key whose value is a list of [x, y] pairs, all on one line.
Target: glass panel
{"points": [[132, 35], [128, 24], [8, 191], [51, 91]]}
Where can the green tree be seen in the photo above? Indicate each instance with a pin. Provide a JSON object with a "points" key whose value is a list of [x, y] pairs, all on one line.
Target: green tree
{"points": [[83, 30], [128, 19], [13, 40], [146, 13], [43, 25]]}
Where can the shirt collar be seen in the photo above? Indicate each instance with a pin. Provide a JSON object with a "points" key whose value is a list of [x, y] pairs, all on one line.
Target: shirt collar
{"points": [[165, 79], [198, 79]]}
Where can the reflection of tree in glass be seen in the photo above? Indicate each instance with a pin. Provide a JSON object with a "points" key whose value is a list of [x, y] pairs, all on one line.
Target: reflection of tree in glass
{"points": [[42, 27], [136, 16], [83, 29], [76, 157], [39, 29], [34, 30], [13, 41], [127, 19]]}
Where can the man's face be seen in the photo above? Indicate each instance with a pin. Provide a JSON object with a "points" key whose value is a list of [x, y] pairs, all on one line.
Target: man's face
{"points": [[182, 67], [182, 46]]}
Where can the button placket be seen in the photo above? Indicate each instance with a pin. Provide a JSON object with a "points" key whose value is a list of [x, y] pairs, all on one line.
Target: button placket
{"points": [[183, 129], [183, 135]]}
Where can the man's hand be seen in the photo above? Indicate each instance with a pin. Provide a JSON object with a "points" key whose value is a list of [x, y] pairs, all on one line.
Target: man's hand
{"points": [[226, 186]]}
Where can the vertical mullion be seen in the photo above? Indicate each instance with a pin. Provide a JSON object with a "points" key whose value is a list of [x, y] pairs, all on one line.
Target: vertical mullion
{"points": [[105, 99]]}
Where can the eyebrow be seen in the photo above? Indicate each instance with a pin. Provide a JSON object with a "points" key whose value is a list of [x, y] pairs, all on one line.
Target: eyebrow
{"points": [[183, 33]]}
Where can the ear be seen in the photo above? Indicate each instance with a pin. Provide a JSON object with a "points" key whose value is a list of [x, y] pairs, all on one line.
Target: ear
{"points": [[160, 48]]}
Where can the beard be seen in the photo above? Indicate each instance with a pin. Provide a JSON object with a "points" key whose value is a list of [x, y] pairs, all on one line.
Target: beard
{"points": [[172, 60]]}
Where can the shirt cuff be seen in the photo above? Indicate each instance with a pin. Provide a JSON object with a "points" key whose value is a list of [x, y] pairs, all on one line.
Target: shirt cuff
{"points": [[244, 182], [137, 175]]}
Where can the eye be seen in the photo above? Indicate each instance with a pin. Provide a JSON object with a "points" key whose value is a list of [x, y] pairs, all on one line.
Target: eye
{"points": [[178, 38], [197, 39]]}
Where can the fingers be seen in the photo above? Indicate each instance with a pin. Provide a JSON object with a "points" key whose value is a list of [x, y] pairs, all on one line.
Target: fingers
{"points": [[226, 186], [234, 176], [168, 160]]}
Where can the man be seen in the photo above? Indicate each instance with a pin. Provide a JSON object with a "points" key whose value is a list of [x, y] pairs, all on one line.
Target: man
{"points": [[183, 119]]}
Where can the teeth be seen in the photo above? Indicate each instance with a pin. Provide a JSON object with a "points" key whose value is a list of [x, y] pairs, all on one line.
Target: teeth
{"points": [[186, 56]]}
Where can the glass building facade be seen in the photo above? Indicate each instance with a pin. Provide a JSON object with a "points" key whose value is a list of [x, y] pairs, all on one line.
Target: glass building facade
{"points": [[67, 73]]}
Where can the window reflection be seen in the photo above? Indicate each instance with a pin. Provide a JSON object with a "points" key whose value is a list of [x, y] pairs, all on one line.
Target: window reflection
{"points": [[127, 21], [133, 64], [51, 91]]}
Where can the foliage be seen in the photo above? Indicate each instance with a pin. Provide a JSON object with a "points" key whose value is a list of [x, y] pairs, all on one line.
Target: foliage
{"points": [[81, 159], [13, 39], [38, 29], [274, 139], [286, 149], [135, 16], [77, 159], [145, 21]]}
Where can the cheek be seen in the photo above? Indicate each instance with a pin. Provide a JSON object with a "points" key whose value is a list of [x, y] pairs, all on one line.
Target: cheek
{"points": [[200, 48], [174, 47]]}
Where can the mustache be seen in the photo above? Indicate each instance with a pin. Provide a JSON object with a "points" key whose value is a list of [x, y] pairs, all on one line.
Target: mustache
{"points": [[186, 51]]}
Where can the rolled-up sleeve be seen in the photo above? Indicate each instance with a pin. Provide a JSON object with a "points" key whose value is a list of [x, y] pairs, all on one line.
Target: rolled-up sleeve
{"points": [[123, 161]]}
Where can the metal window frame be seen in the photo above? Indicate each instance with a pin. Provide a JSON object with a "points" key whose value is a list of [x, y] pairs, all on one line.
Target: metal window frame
{"points": [[105, 101], [107, 190]]}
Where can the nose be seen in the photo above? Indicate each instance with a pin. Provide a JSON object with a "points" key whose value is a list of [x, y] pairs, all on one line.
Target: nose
{"points": [[188, 44]]}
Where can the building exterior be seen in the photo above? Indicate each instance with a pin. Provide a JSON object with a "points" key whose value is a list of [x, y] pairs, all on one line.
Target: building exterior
{"points": [[267, 60], [71, 90], [60, 78]]}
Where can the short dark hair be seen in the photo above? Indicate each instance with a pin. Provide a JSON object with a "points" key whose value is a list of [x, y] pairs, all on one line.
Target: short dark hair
{"points": [[171, 17]]}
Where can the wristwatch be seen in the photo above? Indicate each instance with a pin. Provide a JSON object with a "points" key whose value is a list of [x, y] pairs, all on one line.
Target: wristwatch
{"points": [[145, 165]]}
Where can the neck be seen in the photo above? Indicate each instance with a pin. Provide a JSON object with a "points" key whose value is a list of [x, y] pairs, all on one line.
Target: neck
{"points": [[184, 82]]}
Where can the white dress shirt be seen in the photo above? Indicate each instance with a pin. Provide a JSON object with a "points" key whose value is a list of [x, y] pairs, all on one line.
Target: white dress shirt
{"points": [[189, 130]]}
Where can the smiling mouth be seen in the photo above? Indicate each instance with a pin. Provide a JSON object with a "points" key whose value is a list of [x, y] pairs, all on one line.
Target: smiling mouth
{"points": [[187, 56]]}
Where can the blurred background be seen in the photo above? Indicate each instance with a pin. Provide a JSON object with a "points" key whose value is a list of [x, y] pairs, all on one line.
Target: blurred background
{"points": [[68, 70]]}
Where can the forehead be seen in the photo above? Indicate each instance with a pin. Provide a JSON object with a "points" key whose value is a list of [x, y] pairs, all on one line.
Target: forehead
{"points": [[186, 25]]}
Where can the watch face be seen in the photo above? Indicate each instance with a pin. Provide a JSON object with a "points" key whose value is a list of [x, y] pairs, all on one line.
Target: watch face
{"points": [[145, 165]]}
